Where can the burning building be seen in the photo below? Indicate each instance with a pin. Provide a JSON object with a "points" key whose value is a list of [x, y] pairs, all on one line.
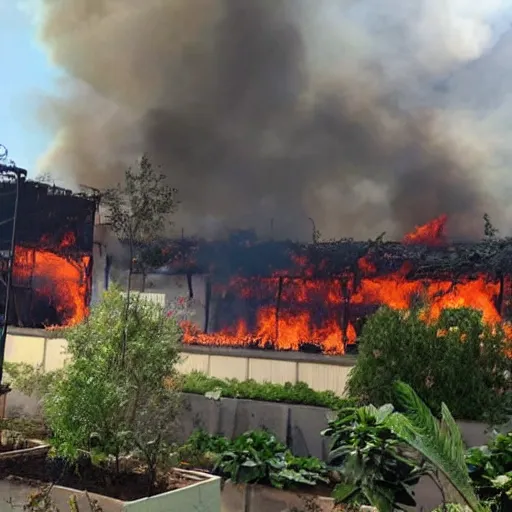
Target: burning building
{"points": [[243, 291], [316, 297], [52, 255]]}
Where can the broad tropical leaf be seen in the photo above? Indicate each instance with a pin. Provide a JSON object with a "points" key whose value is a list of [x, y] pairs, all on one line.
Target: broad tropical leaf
{"points": [[439, 442]]}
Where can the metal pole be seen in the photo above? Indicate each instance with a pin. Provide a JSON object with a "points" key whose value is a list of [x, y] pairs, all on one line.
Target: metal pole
{"points": [[10, 269]]}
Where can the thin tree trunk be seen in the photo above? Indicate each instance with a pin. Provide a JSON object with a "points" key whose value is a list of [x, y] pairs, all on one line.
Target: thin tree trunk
{"points": [[127, 305]]}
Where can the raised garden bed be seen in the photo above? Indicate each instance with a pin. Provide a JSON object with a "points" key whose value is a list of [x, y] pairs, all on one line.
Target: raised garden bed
{"points": [[298, 426], [29, 472], [246, 498]]}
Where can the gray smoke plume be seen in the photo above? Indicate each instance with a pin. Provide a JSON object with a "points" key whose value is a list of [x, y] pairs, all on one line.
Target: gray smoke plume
{"points": [[358, 114]]}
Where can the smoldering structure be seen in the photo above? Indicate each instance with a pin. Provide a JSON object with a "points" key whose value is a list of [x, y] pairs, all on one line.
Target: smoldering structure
{"points": [[267, 113], [52, 272], [283, 295]]}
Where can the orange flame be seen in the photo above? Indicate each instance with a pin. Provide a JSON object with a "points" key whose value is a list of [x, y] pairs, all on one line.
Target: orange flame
{"points": [[309, 311], [431, 233], [59, 279]]}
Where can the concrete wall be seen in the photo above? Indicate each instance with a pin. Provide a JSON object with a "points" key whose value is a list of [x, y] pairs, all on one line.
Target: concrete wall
{"points": [[298, 426], [46, 349], [320, 372]]}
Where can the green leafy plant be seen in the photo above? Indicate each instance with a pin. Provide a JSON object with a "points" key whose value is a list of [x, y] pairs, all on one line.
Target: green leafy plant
{"points": [[252, 457], [30, 380], [257, 456], [299, 393], [202, 450], [301, 471], [202, 441], [371, 460], [490, 469], [432, 357], [29, 428], [107, 409], [151, 428], [439, 442]]}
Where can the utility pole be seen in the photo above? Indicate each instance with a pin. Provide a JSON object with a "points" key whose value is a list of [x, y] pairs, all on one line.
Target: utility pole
{"points": [[9, 174]]}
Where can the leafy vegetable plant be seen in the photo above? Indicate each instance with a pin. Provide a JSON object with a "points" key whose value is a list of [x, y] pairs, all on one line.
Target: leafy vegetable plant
{"points": [[258, 457], [370, 459], [202, 450], [299, 393], [490, 469]]}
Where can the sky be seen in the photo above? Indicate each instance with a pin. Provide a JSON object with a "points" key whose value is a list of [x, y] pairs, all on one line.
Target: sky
{"points": [[26, 74]]}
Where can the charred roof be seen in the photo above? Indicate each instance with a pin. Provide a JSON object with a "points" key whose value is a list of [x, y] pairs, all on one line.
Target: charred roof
{"points": [[46, 212], [328, 259]]}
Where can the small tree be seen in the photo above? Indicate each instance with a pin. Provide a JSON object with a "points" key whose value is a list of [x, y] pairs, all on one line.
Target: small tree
{"points": [[103, 408], [138, 211], [490, 231]]}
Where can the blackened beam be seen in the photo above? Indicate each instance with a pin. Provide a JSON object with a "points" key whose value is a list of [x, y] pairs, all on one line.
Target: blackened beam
{"points": [[189, 285], [278, 305], [208, 299]]}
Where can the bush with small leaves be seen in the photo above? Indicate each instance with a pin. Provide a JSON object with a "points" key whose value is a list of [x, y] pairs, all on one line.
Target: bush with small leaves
{"points": [[105, 403], [457, 360]]}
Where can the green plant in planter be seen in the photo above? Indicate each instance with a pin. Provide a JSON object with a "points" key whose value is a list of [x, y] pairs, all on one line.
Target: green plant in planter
{"points": [[29, 428], [432, 357], [490, 469], [201, 441], [439, 442], [301, 470], [370, 459], [258, 457], [109, 405], [298, 393], [202, 450]]}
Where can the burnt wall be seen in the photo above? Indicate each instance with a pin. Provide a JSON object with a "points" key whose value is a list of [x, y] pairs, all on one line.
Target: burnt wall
{"points": [[46, 215], [53, 263]]}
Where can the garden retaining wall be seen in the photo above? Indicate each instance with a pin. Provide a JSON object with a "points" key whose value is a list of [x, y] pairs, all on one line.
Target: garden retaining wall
{"points": [[45, 348], [298, 426]]}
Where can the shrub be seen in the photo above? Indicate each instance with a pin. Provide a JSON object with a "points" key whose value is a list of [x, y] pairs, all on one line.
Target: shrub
{"points": [[29, 428], [30, 380], [457, 360], [299, 393], [370, 459], [108, 407]]}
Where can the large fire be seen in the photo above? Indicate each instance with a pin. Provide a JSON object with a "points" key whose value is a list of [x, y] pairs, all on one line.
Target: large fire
{"points": [[291, 312], [57, 278]]}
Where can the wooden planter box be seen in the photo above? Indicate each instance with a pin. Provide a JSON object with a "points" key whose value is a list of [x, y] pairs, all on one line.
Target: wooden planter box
{"points": [[35, 448], [203, 495], [251, 498]]}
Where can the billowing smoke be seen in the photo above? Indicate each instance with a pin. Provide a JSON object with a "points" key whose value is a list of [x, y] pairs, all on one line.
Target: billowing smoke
{"points": [[361, 115]]}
